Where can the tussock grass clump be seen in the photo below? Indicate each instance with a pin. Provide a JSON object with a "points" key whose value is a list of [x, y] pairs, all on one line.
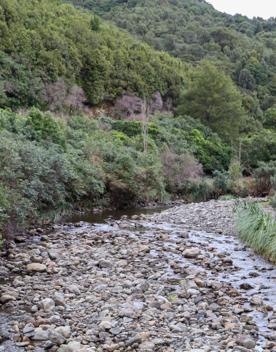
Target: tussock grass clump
{"points": [[257, 228]]}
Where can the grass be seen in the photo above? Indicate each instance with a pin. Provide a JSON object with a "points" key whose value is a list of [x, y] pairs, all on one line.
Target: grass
{"points": [[257, 228]]}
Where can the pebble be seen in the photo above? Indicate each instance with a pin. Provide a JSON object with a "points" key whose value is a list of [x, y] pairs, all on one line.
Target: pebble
{"points": [[48, 304], [36, 267], [191, 253]]}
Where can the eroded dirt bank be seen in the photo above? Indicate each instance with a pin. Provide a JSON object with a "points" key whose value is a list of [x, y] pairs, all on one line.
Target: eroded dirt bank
{"points": [[170, 282]]}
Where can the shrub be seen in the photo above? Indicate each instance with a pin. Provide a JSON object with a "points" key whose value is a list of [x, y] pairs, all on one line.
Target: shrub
{"points": [[222, 182], [184, 134], [179, 169], [244, 187], [270, 118], [264, 176], [258, 147], [199, 190], [42, 127]]}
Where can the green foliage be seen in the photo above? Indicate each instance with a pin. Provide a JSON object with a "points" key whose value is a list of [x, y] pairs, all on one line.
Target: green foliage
{"points": [[213, 98], [193, 30], [184, 133], [49, 165], [265, 177], [257, 228], [42, 127], [200, 189], [222, 182], [258, 147], [270, 118], [95, 23], [57, 57]]}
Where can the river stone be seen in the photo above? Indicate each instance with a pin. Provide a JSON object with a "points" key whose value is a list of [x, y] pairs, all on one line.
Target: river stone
{"points": [[36, 267], [73, 346], [53, 254], [48, 304], [105, 264], [56, 337], [246, 341], [105, 325], [59, 299], [64, 331], [147, 346], [28, 329], [6, 298], [191, 252], [74, 289], [41, 334]]}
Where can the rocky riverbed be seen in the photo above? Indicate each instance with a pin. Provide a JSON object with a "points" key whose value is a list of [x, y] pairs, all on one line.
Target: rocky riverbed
{"points": [[175, 281]]}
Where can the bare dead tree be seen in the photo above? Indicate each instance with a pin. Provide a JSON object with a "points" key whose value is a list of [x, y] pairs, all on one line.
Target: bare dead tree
{"points": [[145, 125]]}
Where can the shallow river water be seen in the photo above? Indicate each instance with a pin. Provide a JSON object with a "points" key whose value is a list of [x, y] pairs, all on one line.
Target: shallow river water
{"points": [[164, 237], [249, 273]]}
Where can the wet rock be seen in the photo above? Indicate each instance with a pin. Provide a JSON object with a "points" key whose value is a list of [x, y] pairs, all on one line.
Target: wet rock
{"points": [[246, 286]]}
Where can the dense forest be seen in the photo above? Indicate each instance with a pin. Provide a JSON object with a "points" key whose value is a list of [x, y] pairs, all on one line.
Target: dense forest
{"points": [[60, 62], [193, 30], [55, 57]]}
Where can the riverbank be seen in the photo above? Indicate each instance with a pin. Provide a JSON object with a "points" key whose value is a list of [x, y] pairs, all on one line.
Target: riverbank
{"points": [[256, 225], [174, 281]]}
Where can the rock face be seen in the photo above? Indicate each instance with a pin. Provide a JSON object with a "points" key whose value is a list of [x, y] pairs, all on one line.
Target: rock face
{"points": [[135, 108], [169, 282]]}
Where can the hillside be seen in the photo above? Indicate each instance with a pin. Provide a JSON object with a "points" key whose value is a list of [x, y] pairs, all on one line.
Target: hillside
{"points": [[193, 30], [56, 57]]}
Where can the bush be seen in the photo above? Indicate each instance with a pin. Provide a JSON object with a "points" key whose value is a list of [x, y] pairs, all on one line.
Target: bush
{"points": [[43, 127], [184, 134], [179, 169], [41, 181], [244, 187], [265, 177], [222, 182], [270, 118], [259, 147], [199, 190]]}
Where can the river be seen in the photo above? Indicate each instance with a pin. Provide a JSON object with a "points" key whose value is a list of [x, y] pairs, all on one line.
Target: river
{"points": [[171, 280]]}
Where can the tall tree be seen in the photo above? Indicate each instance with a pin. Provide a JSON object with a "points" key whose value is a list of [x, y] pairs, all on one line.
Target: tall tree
{"points": [[213, 98]]}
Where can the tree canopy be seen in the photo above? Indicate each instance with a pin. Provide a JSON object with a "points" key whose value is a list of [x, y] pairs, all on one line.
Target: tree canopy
{"points": [[213, 98], [55, 56]]}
